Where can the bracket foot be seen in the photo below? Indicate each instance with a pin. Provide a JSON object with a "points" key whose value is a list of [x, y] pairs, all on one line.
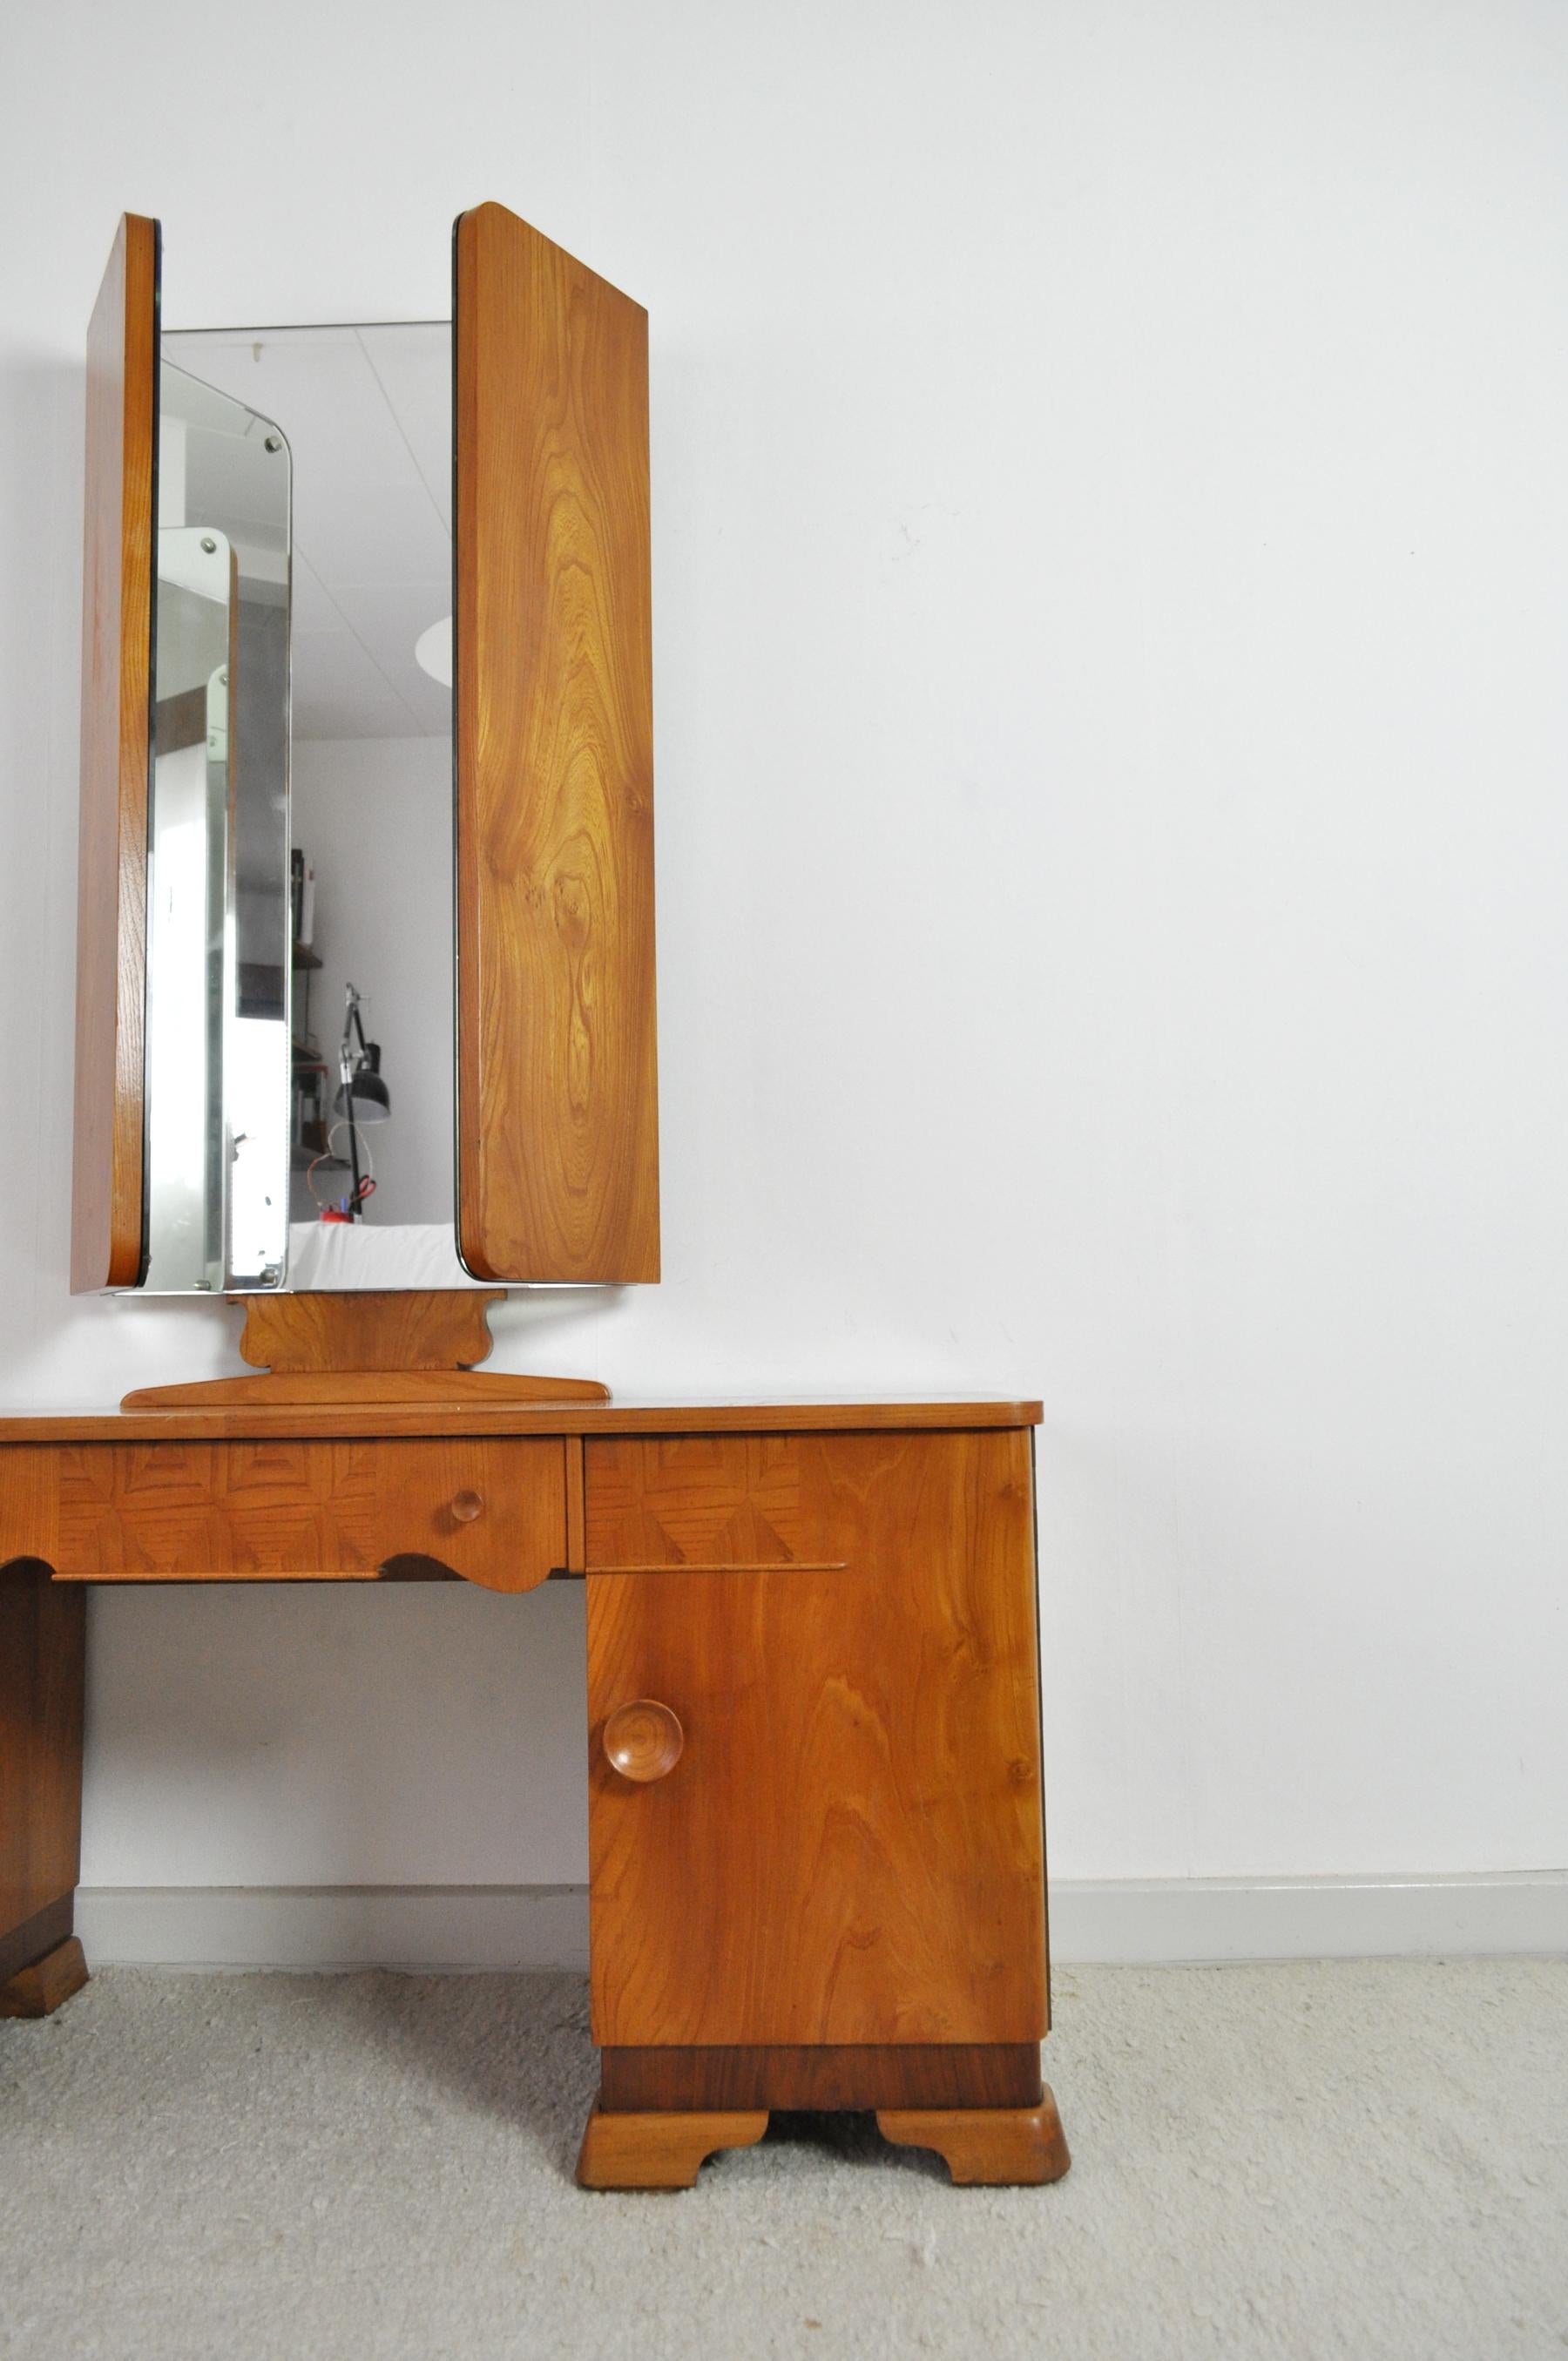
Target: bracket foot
{"points": [[38, 1991], [662, 2151], [985, 2146]]}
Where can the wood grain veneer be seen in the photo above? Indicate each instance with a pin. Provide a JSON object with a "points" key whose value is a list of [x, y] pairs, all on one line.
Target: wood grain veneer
{"points": [[557, 1097], [271, 1511], [709, 1500], [107, 1244], [382, 1329], [852, 1833]]}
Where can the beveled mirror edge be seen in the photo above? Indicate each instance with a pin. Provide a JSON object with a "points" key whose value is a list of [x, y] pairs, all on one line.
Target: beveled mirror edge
{"points": [[233, 1220]]}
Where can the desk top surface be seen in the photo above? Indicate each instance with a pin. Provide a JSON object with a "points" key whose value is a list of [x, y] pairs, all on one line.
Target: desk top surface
{"points": [[321, 1422]]}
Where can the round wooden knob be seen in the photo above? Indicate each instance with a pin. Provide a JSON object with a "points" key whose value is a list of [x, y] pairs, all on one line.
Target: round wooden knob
{"points": [[643, 1740], [467, 1506]]}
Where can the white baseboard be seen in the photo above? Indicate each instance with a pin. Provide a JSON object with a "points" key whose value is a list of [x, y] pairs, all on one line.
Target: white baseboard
{"points": [[330, 1927], [1145, 1922], [1168, 1920]]}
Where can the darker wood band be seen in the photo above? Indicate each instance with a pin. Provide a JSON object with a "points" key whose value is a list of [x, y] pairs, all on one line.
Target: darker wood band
{"points": [[890, 2074]]}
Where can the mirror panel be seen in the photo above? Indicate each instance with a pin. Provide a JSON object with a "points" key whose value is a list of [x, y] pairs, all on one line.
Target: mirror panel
{"points": [[366, 847], [218, 939]]}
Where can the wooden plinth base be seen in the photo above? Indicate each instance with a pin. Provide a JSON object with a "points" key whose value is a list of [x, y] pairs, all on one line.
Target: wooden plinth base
{"points": [[373, 1346], [995, 2148], [38, 1991], [820, 2077], [1006, 2147], [659, 2151], [349, 1389]]}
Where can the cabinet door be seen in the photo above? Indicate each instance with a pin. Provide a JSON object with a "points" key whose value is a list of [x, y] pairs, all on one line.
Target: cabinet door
{"points": [[848, 1847], [557, 1110], [107, 1244]]}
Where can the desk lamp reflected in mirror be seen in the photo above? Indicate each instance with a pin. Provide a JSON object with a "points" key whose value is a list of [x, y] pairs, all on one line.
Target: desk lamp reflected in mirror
{"points": [[362, 1096]]}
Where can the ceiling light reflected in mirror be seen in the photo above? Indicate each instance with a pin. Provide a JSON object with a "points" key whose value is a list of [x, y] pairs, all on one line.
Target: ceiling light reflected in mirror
{"points": [[433, 650]]}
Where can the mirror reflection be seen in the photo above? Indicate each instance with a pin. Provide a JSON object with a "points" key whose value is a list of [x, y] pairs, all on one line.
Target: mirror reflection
{"points": [[334, 875], [218, 1035]]}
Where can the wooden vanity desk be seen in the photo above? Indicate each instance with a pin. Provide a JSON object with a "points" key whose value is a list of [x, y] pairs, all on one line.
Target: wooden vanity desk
{"points": [[813, 1711], [817, 1862]]}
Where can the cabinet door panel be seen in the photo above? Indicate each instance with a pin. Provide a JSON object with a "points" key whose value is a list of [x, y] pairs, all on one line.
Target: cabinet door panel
{"points": [[108, 1221], [558, 1103], [849, 1847]]}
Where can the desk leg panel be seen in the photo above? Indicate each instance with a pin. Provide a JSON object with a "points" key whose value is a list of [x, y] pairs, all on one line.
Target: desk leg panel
{"points": [[43, 1629]]}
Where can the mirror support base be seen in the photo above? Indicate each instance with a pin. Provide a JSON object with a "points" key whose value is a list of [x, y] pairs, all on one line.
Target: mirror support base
{"points": [[367, 1346]]}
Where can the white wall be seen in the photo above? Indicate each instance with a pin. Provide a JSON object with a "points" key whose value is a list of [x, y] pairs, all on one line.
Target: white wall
{"points": [[1112, 588], [373, 816]]}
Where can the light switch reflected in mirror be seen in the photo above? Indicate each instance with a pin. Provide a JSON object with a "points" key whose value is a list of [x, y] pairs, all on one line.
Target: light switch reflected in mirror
{"points": [[360, 886]]}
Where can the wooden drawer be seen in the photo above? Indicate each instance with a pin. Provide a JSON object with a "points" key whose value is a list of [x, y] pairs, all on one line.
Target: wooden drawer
{"points": [[846, 1847], [491, 1511], [721, 1500]]}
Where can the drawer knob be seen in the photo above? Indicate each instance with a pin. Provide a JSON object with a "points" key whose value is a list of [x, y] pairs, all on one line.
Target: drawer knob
{"points": [[467, 1506], [643, 1740]]}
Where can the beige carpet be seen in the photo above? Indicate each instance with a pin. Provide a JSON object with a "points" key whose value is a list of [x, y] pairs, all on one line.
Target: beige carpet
{"points": [[1355, 2159]]}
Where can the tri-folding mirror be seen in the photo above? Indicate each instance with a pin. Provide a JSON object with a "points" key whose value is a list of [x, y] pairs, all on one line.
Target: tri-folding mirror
{"points": [[366, 974]]}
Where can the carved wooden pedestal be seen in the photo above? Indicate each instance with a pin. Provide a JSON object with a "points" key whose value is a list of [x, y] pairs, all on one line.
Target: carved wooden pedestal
{"points": [[368, 1347]]}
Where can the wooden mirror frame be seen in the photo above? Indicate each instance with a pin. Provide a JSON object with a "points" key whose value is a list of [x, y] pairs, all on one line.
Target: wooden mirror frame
{"points": [[557, 1080], [556, 1073], [108, 1220]]}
